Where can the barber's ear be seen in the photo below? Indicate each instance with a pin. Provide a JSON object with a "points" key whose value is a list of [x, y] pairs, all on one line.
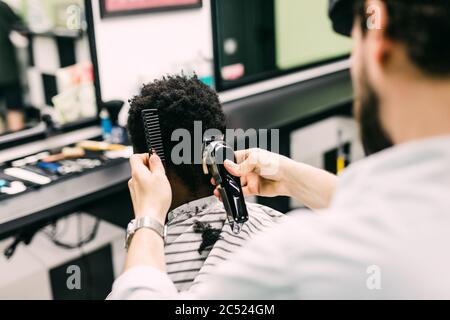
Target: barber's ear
{"points": [[377, 19], [376, 23]]}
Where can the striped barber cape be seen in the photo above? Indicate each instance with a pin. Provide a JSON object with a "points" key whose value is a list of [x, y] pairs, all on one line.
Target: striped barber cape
{"points": [[186, 266]]}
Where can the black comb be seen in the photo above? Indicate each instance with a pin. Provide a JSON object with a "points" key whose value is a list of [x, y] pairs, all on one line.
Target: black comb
{"points": [[152, 130]]}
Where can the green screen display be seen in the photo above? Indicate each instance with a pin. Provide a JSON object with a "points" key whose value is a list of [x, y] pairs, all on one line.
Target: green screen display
{"points": [[305, 38]]}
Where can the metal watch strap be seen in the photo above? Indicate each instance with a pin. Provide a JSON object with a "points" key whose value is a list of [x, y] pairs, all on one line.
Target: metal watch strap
{"points": [[145, 222]]}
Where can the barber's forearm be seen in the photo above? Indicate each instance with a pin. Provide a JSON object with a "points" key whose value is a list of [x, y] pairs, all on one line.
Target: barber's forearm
{"points": [[311, 186], [146, 249]]}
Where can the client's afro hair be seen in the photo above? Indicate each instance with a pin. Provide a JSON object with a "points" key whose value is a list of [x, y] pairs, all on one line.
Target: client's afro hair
{"points": [[180, 101]]}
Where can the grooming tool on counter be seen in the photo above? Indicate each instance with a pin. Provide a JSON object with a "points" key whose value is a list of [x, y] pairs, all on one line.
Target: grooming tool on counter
{"points": [[153, 135], [27, 176], [51, 167], [68, 167], [3, 183], [99, 146], [13, 187], [125, 153], [66, 153], [78, 165], [215, 152], [88, 163], [40, 171], [30, 159]]}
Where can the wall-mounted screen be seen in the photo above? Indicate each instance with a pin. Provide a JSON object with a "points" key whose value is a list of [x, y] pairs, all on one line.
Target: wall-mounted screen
{"points": [[46, 64], [256, 40]]}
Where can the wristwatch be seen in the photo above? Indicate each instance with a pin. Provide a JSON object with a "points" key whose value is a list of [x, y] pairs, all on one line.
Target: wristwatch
{"points": [[144, 222]]}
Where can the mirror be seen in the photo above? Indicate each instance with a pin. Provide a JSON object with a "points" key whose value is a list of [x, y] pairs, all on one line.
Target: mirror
{"points": [[45, 63], [255, 39]]}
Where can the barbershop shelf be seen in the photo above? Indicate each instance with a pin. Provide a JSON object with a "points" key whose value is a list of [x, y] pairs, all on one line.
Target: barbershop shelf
{"points": [[61, 198], [285, 106]]}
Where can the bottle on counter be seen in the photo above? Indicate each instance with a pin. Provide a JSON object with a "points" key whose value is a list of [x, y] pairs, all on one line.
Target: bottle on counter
{"points": [[106, 124]]}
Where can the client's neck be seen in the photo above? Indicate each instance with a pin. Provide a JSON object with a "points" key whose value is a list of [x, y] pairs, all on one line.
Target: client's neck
{"points": [[182, 194]]}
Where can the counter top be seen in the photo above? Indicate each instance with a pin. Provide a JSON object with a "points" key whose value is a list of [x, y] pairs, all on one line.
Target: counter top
{"points": [[61, 197]]}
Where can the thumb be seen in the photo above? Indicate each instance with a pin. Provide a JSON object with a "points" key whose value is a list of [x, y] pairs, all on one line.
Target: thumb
{"points": [[155, 164]]}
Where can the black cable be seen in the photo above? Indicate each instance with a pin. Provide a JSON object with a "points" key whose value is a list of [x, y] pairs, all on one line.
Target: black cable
{"points": [[54, 232], [85, 261], [81, 242]]}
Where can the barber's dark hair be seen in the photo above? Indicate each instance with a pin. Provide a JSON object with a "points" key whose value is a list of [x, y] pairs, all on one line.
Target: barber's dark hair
{"points": [[423, 26], [180, 100]]}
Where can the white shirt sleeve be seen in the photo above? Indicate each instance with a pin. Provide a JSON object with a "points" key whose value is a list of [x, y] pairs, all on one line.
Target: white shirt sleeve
{"points": [[143, 283]]}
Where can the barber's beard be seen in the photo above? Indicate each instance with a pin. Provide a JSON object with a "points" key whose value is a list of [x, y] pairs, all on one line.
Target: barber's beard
{"points": [[374, 137]]}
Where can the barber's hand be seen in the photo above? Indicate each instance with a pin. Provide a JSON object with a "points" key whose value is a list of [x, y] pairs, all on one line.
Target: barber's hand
{"points": [[261, 172], [268, 174], [149, 187]]}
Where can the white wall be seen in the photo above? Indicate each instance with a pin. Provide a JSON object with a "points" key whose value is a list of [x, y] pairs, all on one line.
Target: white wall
{"points": [[138, 48]]}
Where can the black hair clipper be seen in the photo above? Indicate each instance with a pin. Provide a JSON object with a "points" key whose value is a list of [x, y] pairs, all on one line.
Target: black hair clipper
{"points": [[215, 152]]}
